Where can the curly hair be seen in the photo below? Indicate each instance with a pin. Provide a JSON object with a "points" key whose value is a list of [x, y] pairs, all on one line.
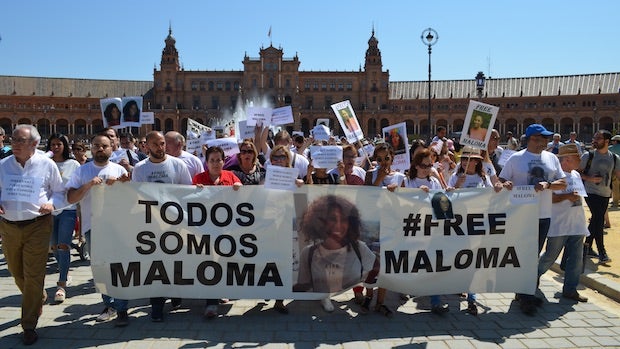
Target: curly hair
{"points": [[315, 218]]}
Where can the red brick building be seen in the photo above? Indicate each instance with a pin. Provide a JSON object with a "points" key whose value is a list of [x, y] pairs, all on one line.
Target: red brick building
{"points": [[562, 103]]}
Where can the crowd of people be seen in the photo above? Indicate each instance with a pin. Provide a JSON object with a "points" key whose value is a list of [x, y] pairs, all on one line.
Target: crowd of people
{"points": [[62, 179]]}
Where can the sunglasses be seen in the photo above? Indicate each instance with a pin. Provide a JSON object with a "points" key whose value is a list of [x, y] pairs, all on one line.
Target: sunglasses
{"points": [[246, 151], [142, 142], [379, 159], [278, 157], [425, 166]]}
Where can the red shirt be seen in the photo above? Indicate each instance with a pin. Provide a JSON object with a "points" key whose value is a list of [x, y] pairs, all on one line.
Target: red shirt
{"points": [[226, 178]]}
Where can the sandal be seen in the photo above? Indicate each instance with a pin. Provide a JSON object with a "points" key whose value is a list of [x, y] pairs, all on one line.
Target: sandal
{"points": [[383, 309], [472, 308], [60, 295]]}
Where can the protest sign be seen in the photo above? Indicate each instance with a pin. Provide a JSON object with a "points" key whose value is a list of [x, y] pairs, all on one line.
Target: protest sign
{"points": [[478, 124]]}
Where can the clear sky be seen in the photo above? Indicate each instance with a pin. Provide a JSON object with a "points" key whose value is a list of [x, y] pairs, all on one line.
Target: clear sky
{"points": [[124, 39]]}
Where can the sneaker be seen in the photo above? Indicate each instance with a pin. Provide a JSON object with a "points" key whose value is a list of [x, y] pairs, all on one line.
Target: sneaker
{"points": [[440, 309], [327, 304], [590, 252], [107, 314], [211, 311], [60, 295], [575, 296], [365, 306], [175, 303], [280, 307], [472, 309], [604, 258], [122, 319]]}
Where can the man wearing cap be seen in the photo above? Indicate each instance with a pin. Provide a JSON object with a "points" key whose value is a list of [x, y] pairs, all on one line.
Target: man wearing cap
{"points": [[535, 166], [568, 226], [596, 169]]}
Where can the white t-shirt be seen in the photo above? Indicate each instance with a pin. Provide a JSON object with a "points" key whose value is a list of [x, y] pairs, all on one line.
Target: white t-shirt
{"points": [[471, 181], [171, 170], [393, 178], [66, 169], [85, 174], [568, 218], [525, 168], [193, 163], [431, 182], [334, 270]]}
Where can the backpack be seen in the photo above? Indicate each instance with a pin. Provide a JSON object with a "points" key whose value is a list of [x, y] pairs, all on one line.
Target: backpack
{"points": [[589, 163]]}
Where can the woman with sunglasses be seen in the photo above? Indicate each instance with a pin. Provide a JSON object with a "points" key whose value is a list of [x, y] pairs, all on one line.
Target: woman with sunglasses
{"points": [[248, 168], [64, 220], [381, 176], [420, 172], [79, 152]]}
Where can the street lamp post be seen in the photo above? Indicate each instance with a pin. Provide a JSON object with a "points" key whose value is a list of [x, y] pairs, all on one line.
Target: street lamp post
{"points": [[429, 37], [480, 84]]}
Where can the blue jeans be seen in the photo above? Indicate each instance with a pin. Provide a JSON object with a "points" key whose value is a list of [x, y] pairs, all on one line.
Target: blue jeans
{"points": [[118, 304], [573, 250], [62, 234]]}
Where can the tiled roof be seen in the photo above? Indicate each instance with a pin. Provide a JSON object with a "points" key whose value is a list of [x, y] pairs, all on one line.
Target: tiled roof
{"points": [[63, 87], [509, 87]]}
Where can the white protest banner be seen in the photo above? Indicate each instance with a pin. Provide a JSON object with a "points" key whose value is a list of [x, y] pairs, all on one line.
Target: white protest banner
{"points": [[147, 118], [487, 247], [478, 124], [574, 186], [258, 115], [244, 131], [20, 188], [396, 136], [284, 178], [524, 194], [325, 156], [195, 129], [132, 109], [194, 146], [228, 144], [282, 116], [111, 112], [321, 133], [173, 240], [506, 154], [348, 121], [178, 240]]}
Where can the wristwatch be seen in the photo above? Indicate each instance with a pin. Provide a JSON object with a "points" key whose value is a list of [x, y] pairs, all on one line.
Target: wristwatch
{"points": [[342, 178]]}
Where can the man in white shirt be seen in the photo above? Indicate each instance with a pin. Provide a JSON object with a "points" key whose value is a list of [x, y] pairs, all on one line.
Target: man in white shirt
{"points": [[160, 168], [31, 186], [540, 168], [100, 170], [174, 147]]}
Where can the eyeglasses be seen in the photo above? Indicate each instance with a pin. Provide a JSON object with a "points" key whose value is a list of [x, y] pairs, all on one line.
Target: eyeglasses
{"points": [[246, 151], [103, 146], [278, 157], [387, 158], [20, 141], [425, 166]]}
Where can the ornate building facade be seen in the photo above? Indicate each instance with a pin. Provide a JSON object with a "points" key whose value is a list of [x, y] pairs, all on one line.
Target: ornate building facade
{"points": [[583, 103]]}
